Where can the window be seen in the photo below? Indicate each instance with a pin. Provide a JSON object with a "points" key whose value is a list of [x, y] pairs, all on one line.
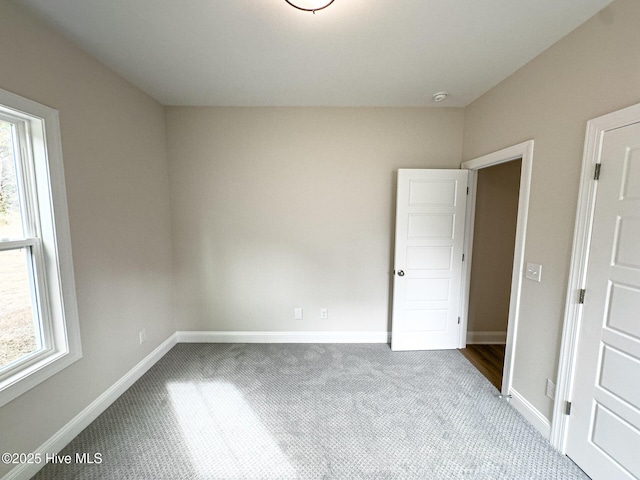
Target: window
{"points": [[39, 332]]}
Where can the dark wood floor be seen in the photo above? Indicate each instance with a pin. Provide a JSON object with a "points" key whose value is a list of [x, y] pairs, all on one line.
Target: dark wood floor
{"points": [[488, 359]]}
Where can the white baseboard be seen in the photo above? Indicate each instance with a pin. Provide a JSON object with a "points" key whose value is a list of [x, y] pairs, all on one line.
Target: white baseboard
{"points": [[282, 337], [530, 413], [487, 338], [81, 421]]}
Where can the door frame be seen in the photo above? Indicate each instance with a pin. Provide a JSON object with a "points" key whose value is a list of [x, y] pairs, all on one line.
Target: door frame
{"points": [[594, 137], [522, 151]]}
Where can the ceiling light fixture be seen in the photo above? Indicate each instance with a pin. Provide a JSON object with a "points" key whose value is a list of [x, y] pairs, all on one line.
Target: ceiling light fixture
{"points": [[309, 5]]}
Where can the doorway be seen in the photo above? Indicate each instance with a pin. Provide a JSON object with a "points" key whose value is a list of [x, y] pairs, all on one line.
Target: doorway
{"points": [[496, 215], [414, 316], [524, 153]]}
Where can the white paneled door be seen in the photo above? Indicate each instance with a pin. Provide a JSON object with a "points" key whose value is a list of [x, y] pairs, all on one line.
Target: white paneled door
{"points": [[430, 219], [604, 424]]}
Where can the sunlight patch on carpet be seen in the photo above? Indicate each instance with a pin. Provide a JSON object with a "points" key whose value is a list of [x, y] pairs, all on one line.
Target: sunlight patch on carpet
{"points": [[224, 436]]}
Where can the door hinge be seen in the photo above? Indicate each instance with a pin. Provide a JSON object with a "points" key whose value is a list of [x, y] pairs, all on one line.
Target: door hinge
{"points": [[458, 320], [596, 175], [581, 295], [463, 257], [567, 408], [467, 190]]}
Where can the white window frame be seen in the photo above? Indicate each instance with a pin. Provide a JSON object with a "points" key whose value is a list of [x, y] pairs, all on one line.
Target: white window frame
{"points": [[47, 235]]}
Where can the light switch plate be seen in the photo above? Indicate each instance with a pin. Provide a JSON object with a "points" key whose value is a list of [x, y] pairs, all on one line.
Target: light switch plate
{"points": [[534, 271]]}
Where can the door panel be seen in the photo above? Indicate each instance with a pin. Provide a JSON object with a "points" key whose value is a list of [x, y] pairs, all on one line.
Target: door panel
{"points": [[604, 426], [431, 226], [623, 298], [612, 435], [430, 216], [613, 377], [428, 289], [423, 258]]}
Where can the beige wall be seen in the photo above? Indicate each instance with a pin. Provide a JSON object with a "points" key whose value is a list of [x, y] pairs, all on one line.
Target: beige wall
{"points": [[277, 208], [591, 72], [494, 237], [113, 141]]}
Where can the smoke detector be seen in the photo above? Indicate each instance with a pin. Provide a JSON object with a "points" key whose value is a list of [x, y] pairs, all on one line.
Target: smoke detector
{"points": [[440, 96]]}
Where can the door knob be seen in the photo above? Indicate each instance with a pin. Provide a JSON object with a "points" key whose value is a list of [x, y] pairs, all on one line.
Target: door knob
{"points": [[400, 273]]}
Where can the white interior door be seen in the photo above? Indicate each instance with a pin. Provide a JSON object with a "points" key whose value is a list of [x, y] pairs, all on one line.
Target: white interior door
{"points": [[430, 219], [604, 424]]}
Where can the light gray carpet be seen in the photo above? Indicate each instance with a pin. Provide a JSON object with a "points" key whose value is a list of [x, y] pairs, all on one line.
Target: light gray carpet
{"points": [[312, 411]]}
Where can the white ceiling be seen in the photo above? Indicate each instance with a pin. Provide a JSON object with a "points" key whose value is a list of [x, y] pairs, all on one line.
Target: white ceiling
{"points": [[354, 53]]}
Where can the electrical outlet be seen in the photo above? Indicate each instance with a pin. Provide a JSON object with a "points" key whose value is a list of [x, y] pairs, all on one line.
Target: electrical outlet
{"points": [[324, 313], [143, 336], [297, 313], [551, 389]]}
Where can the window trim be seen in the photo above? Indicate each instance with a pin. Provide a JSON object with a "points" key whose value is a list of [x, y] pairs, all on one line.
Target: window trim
{"points": [[63, 346]]}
